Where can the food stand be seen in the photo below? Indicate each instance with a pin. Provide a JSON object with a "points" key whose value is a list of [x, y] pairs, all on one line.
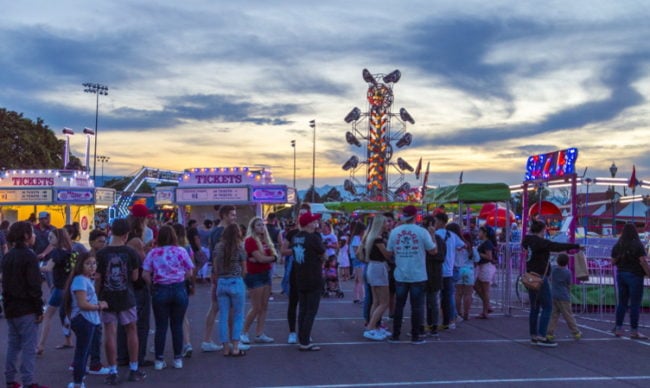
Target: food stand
{"points": [[201, 191], [69, 196]]}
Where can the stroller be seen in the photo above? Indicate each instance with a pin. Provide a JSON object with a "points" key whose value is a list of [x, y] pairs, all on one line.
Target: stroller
{"points": [[331, 277]]}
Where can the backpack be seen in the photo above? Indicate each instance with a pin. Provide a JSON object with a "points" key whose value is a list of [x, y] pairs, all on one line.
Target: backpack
{"points": [[434, 263]]}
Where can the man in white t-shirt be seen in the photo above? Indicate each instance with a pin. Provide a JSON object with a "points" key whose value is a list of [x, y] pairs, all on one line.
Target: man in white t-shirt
{"points": [[409, 244], [454, 244]]}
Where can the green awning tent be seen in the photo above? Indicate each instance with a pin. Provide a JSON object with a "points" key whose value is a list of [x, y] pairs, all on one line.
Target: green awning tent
{"points": [[349, 207], [468, 193]]}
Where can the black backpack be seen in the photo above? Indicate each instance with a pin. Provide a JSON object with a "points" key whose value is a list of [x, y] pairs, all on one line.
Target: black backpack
{"points": [[434, 263]]}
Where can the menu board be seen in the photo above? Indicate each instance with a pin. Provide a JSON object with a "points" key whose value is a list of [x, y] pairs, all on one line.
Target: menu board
{"points": [[26, 196], [212, 195]]}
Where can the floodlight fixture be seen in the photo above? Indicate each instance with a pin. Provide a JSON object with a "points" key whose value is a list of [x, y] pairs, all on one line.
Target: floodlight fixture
{"points": [[353, 162], [406, 116], [404, 166], [351, 139], [354, 115], [368, 77], [67, 131], [89, 132], [349, 187], [404, 140], [393, 77]]}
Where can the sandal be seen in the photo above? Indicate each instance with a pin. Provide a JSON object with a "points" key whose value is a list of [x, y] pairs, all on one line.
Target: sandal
{"points": [[240, 353], [39, 351], [638, 336]]}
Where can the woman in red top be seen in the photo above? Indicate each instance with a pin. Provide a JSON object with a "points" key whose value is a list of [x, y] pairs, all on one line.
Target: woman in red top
{"points": [[260, 254]]}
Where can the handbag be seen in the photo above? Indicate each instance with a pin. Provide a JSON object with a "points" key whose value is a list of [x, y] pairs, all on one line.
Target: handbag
{"points": [[532, 280], [580, 263]]}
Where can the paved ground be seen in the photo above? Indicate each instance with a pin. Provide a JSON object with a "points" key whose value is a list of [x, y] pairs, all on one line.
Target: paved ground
{"points": [[479, 352]]}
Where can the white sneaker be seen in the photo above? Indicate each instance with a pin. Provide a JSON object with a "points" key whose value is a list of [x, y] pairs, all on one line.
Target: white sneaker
{"points": [[243, 338], [210, 347], [293, 338], [159, 365], [452, 326], [384, 332], [178, 363], [72, 385], [187, 351], [264, 339], [373, 335], [243, 346]]}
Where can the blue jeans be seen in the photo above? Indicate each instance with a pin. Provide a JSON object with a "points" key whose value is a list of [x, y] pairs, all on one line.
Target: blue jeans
{"points": [[169, 306], [417, 293], [540, 300], [433, 309], [231, 294], [85, 331], [447, 300], [630, 289], [286, 285], [22, 336]]}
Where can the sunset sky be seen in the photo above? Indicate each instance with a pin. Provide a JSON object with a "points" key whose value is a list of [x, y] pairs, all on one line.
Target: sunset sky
{"points": [[224, 83]]}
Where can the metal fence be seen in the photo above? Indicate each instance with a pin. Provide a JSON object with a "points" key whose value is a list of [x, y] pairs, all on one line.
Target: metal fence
{"points": [[597, 295]]}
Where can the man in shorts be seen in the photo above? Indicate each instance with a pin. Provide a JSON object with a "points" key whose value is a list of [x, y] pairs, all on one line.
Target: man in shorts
{"points": [[117, 269]]}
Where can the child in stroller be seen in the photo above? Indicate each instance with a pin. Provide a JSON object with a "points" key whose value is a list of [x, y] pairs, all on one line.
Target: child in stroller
{"points": [[331, 276]]}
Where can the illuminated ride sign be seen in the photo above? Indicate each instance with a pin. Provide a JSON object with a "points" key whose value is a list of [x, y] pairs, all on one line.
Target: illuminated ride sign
{"points": [[551, 165]]}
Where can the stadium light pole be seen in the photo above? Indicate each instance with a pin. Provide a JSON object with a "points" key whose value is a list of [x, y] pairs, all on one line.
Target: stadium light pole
{"points": [[103, 159], [98, 90], [312, 124], [293, 145]]}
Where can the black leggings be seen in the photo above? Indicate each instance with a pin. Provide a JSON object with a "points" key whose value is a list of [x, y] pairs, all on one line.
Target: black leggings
{"points": [[293, 303]]}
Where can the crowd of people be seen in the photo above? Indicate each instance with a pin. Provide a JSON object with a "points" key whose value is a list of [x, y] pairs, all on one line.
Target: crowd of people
{"points": [[106, 294]]}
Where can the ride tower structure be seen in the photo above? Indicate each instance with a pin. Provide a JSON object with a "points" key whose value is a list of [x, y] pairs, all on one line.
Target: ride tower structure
{"points": [[382, 131]]}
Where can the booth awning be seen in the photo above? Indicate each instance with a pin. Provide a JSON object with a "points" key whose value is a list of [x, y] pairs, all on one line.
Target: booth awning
{"points": [[469, 193]]}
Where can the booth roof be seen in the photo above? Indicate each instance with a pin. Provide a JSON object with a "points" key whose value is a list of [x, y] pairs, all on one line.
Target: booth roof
{"points": [[469, 193]]}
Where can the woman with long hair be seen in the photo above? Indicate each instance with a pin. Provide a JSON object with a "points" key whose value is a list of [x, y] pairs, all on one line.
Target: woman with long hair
{"points": [[61, 261], [82, 306], [260, 255], [626, 255], [485, 268], [181, 241], [464, 263], [539, 252], [165, 268], [377, 276], [229, 259]]}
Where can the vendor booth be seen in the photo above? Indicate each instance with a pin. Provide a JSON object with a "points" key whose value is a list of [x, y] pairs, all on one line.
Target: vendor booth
{"points": [[201, 191], [69, 196]]}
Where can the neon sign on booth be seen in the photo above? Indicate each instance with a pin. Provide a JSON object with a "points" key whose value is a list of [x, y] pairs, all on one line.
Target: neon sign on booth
{"points": [[551, 165]]}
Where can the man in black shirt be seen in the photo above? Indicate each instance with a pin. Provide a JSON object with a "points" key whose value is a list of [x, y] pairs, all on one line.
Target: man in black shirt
{"points": [[308, 251], [117, 269]]}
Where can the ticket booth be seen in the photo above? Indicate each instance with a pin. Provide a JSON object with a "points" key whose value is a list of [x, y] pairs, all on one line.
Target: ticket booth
{"points": [[201, 191], [69, 196]]}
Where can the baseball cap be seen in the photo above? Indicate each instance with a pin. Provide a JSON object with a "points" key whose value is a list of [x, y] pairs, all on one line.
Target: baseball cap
{"points": [[409, 212], [308, 218], [139, 210], [43, 215]]}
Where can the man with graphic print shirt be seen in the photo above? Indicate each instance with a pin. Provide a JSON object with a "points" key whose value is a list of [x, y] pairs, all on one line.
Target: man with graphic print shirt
{"points": [[308, 250], [409, 244], [117, 269]]}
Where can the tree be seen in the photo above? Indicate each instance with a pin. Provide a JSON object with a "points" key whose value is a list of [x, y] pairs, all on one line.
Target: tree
{"points": [[26, 144]]}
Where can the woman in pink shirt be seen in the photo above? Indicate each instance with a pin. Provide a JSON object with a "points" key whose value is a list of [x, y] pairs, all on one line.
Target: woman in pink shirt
{"points": [[165, 268]]}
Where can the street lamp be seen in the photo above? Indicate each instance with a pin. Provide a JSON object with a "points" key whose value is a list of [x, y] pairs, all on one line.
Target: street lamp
{"points": [[312, 124], [98, 90], [612, 170], [103, 159], [293, 145]]}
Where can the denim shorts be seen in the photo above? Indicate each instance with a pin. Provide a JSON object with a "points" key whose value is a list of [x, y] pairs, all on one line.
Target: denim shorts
{"points": [[56, 297], [257, 280]]}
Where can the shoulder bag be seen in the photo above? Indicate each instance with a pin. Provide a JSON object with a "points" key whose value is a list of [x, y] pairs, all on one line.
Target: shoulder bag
{"points": [[532, 280]]}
